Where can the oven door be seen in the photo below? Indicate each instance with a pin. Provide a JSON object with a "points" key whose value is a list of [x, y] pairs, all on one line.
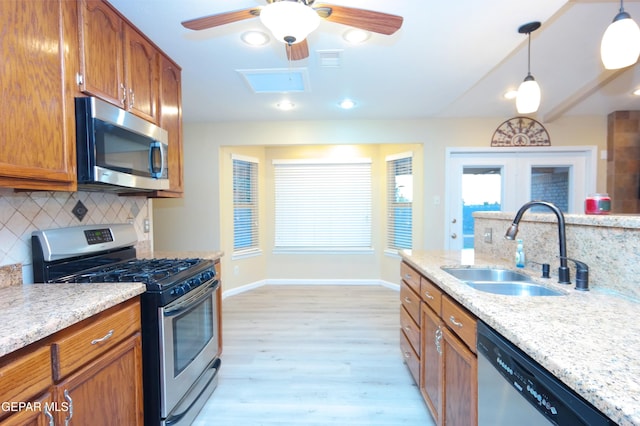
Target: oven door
{"points": [[189, 333]]}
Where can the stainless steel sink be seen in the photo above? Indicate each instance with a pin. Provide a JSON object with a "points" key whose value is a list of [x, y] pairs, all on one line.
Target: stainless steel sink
{"points": [[486, 274], [501, 281], [513, 288]]}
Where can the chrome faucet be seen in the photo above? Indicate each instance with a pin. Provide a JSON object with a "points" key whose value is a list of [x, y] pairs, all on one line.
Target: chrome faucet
{"points": [[563, 270]]}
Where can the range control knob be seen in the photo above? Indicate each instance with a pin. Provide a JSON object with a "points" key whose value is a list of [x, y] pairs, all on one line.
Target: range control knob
{"points": [[207, 275]]}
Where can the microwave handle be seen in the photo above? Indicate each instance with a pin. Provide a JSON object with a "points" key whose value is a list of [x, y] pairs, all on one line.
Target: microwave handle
{"points": [[156, 172]]}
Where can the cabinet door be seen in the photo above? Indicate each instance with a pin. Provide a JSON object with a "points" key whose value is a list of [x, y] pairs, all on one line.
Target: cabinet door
{"points": [[108, 391], [101, 52], [42, 413], [37, 131], [432, 363], [141, 68], [461, 382], [170, 118]]}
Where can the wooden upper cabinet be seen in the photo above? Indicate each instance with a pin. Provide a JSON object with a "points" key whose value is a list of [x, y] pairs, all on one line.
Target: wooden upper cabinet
{"points": [[101, 52], [117, 63], [141, 67], [170, 119], [37, 130]]}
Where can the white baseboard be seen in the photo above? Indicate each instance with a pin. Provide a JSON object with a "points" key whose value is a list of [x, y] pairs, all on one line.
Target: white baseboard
{"points": [[257, 284]]}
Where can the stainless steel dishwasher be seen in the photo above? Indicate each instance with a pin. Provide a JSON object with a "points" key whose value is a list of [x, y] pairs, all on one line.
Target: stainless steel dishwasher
{"points": [[513, 389]]}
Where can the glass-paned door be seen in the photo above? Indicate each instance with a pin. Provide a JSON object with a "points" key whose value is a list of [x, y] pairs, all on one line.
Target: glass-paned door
{"points": [[500, 180], [481, 191]]}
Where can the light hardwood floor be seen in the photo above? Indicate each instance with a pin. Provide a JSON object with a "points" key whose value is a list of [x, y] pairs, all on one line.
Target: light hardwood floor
{"points": [[313, 355]]}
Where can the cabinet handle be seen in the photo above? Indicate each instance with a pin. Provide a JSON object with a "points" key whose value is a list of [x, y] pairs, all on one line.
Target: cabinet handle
{"points": [[70, 401], [407, 328], [103, 338], [438, 337], [407, 277], [454, 322], [124, 94], [132, 98], [49, 416], [428, 296], [406, 299], [407, 355]]}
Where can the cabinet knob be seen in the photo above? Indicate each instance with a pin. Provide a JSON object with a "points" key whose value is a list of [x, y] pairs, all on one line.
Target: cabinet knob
{"points": [[454, 236]]}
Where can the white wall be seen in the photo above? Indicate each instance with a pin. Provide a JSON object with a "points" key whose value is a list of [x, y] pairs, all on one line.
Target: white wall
{"points": [[194, 222]]}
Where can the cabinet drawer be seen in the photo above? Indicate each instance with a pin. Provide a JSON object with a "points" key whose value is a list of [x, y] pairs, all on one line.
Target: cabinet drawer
{"points": [[431, 294], [410, 276], [410, 358], [410, 301], [80, 345], [410, 329], [25, 376], [461, 322]]}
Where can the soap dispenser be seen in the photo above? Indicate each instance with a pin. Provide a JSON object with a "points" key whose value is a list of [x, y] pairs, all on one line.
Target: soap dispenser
{"points": [[520, 254]]}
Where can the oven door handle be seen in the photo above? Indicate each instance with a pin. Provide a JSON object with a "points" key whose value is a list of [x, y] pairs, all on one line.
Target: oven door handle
{"points": [[198, 296]]}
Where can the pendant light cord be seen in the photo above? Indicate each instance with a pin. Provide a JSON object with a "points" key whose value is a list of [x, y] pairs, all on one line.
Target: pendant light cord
{"points": [[529, 56]]}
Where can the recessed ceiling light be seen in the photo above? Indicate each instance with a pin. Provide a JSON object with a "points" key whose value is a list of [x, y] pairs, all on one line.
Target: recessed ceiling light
{"points": [[356, 36], [347, 104], [285, 105], [510, 94], [636, 92], [255, 38]]}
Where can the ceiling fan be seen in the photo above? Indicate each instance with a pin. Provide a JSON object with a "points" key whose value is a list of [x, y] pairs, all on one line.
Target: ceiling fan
{"points": [[290, 21]]}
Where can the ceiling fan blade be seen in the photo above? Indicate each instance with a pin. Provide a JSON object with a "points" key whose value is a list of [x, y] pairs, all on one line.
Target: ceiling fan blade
{"points": [[216, 20], [298, 51], [368, 20]]}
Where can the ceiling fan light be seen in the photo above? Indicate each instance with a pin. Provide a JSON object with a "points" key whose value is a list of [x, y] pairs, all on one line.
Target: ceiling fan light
{"points": [[355, 36], [255, 38], [289, 21], [528, 99], [620, 46]]}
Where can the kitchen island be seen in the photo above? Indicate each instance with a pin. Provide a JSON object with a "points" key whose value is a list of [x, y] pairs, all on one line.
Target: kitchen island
{"points": [[588, 340]]}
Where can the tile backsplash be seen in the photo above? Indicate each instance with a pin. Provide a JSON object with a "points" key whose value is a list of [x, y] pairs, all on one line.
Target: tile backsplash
{"points": [[21, 213]]}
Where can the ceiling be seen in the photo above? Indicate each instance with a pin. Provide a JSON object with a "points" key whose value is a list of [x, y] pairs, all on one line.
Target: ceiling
{"points": [[449, 59]]}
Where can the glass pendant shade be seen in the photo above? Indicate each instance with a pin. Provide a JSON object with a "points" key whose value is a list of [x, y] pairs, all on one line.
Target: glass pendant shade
{"points": [[528, 99], [289, 21], [620, 45]]}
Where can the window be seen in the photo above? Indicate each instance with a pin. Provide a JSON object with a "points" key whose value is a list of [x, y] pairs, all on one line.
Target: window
{"points": [[245, 204], [399, 201], [322, 205]]}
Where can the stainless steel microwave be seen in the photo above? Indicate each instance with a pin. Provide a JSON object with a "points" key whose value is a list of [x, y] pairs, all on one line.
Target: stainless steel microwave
{"points": [[118, 151]]}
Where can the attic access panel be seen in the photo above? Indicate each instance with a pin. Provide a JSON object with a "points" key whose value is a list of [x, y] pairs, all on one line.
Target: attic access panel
{"points": [[277, 80]]}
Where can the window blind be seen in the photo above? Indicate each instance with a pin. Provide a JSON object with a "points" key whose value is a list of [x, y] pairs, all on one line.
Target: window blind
{"points": [[322, 205], [399, 201], [245, 204]]}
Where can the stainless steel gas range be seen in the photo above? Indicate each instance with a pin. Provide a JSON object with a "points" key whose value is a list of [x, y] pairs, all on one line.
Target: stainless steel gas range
{"points": [[180, 339]]}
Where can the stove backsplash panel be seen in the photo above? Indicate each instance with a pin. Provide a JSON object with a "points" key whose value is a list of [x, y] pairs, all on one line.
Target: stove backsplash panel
{"points": [[21, 213]]}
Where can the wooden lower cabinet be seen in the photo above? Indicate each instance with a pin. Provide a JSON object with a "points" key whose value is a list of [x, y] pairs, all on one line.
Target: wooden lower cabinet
{"points": [[460, 382], [431, 383], [448, 365], [87, 374], [106, 392]]}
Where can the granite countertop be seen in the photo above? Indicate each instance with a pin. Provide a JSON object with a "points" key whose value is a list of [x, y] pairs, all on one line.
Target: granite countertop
{"points": [[589, 340], [31, 312], [177, 254]]}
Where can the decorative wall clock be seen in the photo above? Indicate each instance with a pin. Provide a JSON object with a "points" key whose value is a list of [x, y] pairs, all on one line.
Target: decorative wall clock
{"points": [[520, 131]]}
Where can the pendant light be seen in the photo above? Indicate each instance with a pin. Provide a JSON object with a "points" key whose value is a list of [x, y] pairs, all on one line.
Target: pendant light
{"points": [[620, 44], [528, 98]]}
